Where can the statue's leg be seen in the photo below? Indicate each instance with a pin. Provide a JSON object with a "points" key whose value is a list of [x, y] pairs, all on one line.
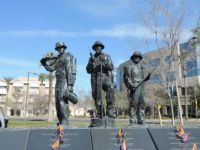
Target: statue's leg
{"points": [[57, 103], [110, 98], [133, 107], [63, 110], [132, 113], [98, 101], [93, 86], [94, 96], [141, 106]]}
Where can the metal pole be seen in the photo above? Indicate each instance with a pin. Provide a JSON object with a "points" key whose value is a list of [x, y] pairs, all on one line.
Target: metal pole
{"points": [[27, 88]]}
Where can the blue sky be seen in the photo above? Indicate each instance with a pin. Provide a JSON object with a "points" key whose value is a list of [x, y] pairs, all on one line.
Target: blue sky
{"points": [[30, 28]]}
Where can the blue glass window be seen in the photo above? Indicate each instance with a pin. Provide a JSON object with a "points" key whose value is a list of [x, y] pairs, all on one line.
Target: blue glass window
{"points": [[172, 91], [154, 62], [185, 48], [155, 78], [198, 62], [171, 76], [169, 58], [191, 68]]}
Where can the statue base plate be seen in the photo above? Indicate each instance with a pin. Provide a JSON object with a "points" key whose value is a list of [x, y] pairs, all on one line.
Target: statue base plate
{"points": [[98, 138], [102, 122]]}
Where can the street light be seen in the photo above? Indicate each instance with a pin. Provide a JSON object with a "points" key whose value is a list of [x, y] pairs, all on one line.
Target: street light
{"points": [[27, 91]]}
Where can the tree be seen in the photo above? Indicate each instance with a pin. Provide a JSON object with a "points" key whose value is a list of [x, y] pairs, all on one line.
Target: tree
{"points": [[88, 102], [42, 77], [40, 104], [164, 19], [121, 102], [151, 99], [195, 40], [197, 95], [50, 118], [8, 81], [85, 101], [17, 94]]}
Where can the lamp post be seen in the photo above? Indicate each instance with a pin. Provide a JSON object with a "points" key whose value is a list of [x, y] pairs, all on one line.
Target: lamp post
{"points": [[27, 91]]}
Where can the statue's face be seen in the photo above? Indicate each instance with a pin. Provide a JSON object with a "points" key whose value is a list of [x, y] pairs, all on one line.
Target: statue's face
{"points": [[98, 49], [61, 50], [136, 59]]}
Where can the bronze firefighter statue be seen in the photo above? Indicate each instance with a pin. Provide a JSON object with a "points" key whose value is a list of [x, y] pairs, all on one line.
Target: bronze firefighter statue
{"points": [[65, 66], [100, 67], [134, 79]]}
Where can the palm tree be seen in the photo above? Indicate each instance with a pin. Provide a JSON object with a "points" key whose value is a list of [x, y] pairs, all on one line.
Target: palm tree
{"points": [[8, 81], [50, 77], [16, 95], [50, 118], [42, 77]]}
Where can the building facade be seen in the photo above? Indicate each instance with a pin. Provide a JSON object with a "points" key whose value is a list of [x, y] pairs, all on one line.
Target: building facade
{"points": [[29, 97], [25, 96], [182, 65]]}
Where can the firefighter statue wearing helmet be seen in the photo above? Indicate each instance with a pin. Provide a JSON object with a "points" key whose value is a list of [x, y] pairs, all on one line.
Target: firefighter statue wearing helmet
{"points": [[100, 67], [65, 66], [134, 79]]}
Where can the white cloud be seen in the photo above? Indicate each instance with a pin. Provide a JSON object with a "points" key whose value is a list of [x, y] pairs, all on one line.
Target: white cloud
{"points": [[36, 33], [117, 31], [121, 31]]}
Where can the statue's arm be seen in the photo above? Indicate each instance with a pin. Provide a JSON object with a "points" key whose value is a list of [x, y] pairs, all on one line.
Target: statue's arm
{"points": [[128, 79], [50, 68], [108, 63], [89, 67], [47, 67], [69, 75]]}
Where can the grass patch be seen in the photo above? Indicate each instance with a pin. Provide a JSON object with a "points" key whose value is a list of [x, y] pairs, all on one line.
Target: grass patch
{"points": [[76, 124], [37, 124], [21, 124]]}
